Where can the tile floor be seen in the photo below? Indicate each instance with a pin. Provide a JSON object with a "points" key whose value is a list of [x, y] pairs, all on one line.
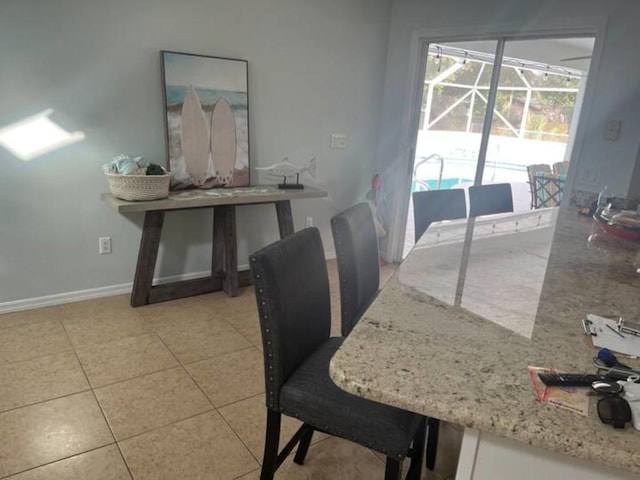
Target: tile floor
{"points": [[99, 390]]}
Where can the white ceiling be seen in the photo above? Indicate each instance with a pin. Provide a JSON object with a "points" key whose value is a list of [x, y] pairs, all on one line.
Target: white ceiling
{"points": [[550, 51]]}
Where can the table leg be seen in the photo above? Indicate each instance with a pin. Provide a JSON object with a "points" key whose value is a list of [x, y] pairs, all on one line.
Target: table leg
{"points": [[225, 248], [285, 219], [147, 255]]}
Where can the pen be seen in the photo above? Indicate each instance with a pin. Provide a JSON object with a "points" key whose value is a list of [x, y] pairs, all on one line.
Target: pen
{"points": [[614, 330]]}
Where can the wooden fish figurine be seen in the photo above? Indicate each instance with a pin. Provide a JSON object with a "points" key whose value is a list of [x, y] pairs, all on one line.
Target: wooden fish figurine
{"points": [[285, 168]]}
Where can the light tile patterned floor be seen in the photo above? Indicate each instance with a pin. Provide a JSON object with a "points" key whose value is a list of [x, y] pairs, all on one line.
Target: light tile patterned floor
{"points": [[99, 390]]}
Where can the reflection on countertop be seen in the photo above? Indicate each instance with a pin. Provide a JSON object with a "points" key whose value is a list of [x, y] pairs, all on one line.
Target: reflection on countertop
{"points": [[518, 244]]}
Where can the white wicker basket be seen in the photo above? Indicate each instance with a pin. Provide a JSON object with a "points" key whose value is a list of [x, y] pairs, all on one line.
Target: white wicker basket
{"points": [[139, 187]]}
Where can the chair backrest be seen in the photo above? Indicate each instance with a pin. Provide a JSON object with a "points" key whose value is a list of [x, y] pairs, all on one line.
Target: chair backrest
{"points": [[532, 170], [436, 205], [561, 168], [356, 243], [490, 199], [292, 292]]}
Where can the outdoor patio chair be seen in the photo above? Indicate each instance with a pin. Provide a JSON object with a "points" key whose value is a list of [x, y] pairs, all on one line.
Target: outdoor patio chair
{"points": [[532, 171], [490, 199], [292, 293], [436, 205], [356, 244], [561, 168]]}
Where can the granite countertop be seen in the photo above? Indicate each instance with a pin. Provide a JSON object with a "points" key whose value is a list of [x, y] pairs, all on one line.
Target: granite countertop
{"points": [[422, 354]]}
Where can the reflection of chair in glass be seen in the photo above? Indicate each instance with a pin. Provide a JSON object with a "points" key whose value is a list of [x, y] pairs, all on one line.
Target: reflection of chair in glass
{"points": [[292, 292], [490, 199], [532, 171], [356, 243], [437, 205]]}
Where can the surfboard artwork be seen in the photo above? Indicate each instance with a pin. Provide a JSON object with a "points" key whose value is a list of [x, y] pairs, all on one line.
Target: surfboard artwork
{"points": [[223, 141], [195, 139], [207, 121]]}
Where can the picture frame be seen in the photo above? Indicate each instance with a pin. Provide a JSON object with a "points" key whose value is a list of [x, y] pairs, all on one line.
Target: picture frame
{"points": [[206, 111]]}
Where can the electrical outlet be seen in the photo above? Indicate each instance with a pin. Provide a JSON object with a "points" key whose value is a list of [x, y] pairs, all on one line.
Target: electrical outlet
{"points": [[104, 245], [612, 130], [309, 222]]}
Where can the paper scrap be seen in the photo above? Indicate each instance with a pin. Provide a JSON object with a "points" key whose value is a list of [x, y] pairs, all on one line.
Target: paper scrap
{"points": [[574, 399]]}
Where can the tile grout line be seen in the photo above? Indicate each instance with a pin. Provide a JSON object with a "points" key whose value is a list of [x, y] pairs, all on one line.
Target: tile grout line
{"points": [[70, 348], [58, 460], [213, 356], [100, 407], [46, 400], [213, 407], [216, 408]]}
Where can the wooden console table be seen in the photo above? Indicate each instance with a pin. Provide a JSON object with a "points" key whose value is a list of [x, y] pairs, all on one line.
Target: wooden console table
{"points": [[224, 264]]}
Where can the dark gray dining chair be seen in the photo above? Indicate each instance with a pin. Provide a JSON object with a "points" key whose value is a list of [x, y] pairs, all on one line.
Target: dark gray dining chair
{"points": [[292, 293], [490, 199], [356, 244], [437, 205]]}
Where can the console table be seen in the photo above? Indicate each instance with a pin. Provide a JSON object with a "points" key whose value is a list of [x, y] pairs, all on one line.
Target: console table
{"points": [[224, 264]]}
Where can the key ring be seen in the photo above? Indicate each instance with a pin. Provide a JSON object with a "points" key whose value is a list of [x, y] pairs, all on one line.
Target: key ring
{"points": [[616, 372]]}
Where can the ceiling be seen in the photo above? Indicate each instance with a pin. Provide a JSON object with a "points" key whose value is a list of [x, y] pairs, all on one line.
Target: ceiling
{"points": [[549, 51]]}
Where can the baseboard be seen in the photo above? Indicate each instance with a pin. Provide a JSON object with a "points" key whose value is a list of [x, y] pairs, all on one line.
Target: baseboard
{"points": [[88, 294]]}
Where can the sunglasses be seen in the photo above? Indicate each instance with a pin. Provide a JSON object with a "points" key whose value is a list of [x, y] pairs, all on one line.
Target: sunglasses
{"points": [[612, 409]]}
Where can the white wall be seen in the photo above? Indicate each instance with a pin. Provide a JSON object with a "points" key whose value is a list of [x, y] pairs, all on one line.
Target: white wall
{"points": [[314, 68], [615, 92]]}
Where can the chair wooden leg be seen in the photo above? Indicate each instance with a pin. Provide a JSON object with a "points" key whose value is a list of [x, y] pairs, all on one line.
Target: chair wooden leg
{"points": [[393, 469], [415, 469], [271, 444], [432, 443], [303, 446]]}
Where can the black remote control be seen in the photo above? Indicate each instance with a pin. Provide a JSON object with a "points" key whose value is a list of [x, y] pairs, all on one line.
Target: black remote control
{"points": [[569, 379]]}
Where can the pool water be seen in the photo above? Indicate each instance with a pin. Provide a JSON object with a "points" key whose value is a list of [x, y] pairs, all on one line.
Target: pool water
{"points": [[445, 184]]}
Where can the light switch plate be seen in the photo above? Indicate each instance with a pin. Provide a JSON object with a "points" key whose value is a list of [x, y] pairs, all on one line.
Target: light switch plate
{"points": [[338, 140], [589, 175], [612, 130]]}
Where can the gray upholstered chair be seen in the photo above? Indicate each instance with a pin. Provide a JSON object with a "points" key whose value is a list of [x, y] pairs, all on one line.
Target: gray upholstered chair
{"points": [[292, 292], [356, 244], [436, 205], [490, 199]]}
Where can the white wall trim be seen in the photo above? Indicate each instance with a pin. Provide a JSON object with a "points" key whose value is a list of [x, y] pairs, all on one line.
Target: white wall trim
{"points": [[468, 453], [108, 291]]}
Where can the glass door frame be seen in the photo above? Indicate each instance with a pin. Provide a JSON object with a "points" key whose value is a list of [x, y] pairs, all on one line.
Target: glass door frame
{"points": [[567, 28]]}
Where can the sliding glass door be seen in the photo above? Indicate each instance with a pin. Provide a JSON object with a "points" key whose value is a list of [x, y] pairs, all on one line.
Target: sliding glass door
{"points": [[535, 96], [496, 112]]}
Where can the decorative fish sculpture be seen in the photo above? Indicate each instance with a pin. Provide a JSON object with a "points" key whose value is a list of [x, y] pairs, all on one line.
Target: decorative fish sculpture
{"points": [[285, 168]]}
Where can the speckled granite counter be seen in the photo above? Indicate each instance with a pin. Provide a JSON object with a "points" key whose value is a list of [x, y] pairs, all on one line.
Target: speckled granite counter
{"points": [[415, 352]]}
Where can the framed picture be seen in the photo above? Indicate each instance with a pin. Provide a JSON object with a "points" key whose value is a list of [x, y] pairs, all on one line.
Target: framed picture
{"points": [[206, 102]]}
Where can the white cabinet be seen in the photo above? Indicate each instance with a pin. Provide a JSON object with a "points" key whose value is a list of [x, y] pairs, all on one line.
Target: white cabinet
{"points": [[487, 457]]}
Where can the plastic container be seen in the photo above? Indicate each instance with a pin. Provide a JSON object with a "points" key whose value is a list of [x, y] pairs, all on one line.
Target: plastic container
{"points": [[603, 197]]}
